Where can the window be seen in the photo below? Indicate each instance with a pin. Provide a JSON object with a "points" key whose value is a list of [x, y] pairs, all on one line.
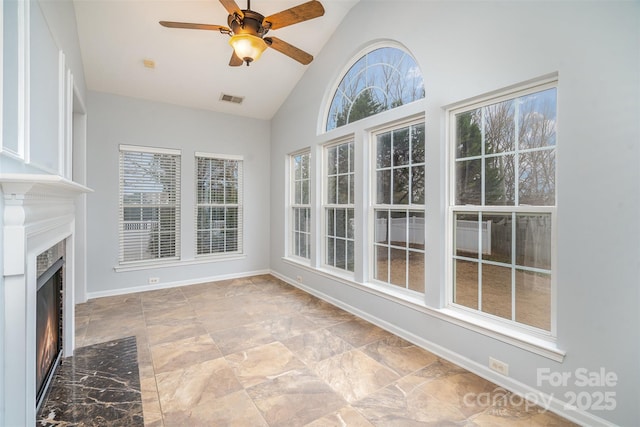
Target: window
{"points": [[339, 206], [300, 205], [218, 204], [398, 209], [383, 79], [503, 206], [149, 204]]}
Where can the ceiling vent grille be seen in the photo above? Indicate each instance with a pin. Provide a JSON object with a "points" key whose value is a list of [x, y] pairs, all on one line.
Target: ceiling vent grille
{"points": [[230, 98]]}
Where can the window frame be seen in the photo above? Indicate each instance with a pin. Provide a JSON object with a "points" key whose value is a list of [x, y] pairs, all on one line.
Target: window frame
{"points": [[177, 154], [294, 206], [475, 315], [326, 205], [374, 206], [239, 206], [330, 94]]}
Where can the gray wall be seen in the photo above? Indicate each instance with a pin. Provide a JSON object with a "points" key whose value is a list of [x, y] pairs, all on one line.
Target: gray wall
{"points": [[115, 120], [466, 49]]}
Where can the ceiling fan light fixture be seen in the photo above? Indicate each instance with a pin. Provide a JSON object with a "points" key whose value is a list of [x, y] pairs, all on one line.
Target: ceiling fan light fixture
{"points": [[248, 47]]}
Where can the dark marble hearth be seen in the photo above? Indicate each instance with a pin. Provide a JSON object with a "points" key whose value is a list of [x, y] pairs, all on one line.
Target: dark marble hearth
{"points": [[98, 386]]}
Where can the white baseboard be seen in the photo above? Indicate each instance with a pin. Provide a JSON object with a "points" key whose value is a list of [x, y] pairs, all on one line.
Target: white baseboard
{"points": [[167, 285], [548, 401]]}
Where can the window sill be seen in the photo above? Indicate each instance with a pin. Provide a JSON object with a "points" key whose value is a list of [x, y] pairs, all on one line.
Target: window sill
{"points": [[525, 341], [177, 263], [535, 344]]}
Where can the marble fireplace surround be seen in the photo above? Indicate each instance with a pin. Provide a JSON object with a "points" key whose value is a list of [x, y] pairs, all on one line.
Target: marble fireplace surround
{"points": [[39, 212]]}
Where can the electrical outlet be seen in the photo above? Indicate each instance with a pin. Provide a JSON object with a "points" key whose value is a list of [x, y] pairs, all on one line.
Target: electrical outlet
{"points": [[154, 280], [499, 366], [299, 279]]}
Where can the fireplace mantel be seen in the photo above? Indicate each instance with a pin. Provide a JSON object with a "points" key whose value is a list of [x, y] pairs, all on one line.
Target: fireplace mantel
{"points": [[33, 203], [38, 211], [17, 184]]}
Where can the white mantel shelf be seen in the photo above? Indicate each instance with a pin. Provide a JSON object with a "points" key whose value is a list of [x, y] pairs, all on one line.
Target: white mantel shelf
{"points": [[17, 183]]}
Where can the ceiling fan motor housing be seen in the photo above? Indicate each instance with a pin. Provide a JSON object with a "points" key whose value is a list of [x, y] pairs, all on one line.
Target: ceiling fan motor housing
{"points": [[250, 24]]}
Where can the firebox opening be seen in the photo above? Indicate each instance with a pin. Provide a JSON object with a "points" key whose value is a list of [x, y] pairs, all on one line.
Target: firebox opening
{"points": [[48, 326]]}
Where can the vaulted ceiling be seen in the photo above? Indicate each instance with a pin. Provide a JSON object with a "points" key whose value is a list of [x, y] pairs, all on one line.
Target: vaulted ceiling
{"points": [[191, 66]]}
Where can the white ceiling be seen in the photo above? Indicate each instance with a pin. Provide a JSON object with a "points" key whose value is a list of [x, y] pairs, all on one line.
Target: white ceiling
{"points": [[192, 65]]}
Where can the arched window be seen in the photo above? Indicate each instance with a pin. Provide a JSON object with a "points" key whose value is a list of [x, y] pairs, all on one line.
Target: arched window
{"points": [[382, 79]]}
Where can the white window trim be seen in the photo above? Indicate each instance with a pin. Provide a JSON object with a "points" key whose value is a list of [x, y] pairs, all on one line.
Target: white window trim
{"points": [[221, 256], [484, 322]]}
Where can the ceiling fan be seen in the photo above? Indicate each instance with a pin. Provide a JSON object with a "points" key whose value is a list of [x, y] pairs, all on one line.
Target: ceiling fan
{"points": [[248, 28]]}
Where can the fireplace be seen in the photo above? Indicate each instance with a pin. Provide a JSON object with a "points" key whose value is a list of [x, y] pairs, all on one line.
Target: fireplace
{"points": [[38, 229], [49, 315]]}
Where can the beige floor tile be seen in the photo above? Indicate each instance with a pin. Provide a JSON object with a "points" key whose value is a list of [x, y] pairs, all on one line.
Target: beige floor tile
{"points": [[282, 328], [233, 410], [219, 320], [316, 346], [117, 300], [164, 299], [358, 332], [174, 330], [346, 416], [113, 310], [323, 314], [181, 391], [509, 409], [177, 312], [99, 330], [241, 338], [399, 355], [256, 351], [294, 398], [354, 375], [182, 353], [400, 406], [466, 391], [150, 403], [263, 363]]}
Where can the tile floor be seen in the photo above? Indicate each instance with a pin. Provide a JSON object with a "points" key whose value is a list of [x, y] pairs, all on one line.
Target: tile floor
{"points": [[259, 352]]}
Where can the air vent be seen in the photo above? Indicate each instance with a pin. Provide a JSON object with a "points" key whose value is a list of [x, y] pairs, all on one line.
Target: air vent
{"points": [[230, 98]]}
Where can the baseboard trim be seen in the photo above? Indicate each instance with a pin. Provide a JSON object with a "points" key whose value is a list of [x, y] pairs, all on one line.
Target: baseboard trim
{"points": [[167, 285], [550, 402]]}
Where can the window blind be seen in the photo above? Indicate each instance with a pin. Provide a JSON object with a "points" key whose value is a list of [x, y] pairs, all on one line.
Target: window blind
{"points": [[219, 210], [149, 204]]}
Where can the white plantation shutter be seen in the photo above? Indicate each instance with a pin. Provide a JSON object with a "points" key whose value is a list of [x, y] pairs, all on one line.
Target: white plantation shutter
{"points": [[149, 204], [218, 214]]}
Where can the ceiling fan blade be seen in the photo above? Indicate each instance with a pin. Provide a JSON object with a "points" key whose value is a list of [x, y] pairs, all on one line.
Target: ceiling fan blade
{"points": [[192, 26], [291, 51], [235, 60], [232, 7], [303, 12]]}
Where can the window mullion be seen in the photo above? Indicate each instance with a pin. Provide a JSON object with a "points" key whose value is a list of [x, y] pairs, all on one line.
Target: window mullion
{"points": [[516, 157], [513, 266]]}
